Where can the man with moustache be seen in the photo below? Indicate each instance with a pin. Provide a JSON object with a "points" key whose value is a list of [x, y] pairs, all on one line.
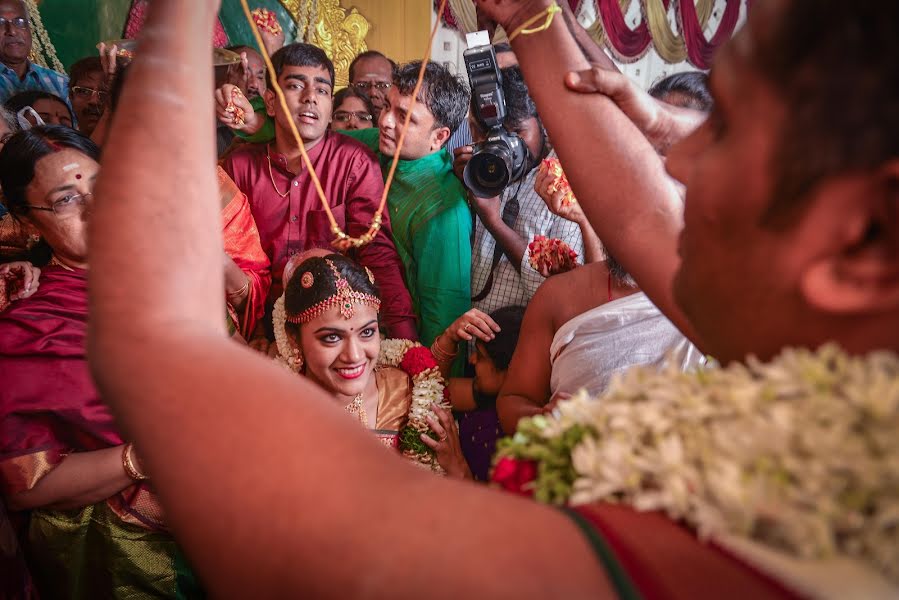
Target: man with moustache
{"points": [[17, 73], [284, 201], [371, 73], [87, 93]]}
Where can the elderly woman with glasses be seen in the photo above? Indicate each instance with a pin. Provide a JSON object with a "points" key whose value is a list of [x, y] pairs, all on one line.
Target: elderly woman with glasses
{"points": [[352, 110], [91, 526]]}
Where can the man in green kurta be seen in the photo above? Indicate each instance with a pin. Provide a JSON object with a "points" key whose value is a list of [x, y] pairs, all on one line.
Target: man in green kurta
{"points": [[428, 208]]}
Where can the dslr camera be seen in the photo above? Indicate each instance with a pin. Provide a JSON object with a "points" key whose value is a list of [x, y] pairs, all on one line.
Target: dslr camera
{"points": [[502, 157]]}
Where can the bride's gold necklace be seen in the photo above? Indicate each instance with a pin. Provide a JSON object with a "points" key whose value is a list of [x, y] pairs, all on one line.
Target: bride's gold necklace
{"points": [[356, 408]]}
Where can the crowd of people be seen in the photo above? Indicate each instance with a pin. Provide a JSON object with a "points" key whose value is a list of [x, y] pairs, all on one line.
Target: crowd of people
{"points": [[202, 392]]}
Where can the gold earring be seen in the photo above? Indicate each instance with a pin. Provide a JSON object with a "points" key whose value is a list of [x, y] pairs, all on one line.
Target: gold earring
{"points": [[297, 360]]}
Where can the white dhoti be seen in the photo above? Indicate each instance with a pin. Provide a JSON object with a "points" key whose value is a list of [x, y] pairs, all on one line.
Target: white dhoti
{"points": [[590, 348]]}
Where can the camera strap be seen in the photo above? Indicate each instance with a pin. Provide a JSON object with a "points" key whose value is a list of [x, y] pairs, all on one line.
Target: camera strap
{"points": [[509, 216]]}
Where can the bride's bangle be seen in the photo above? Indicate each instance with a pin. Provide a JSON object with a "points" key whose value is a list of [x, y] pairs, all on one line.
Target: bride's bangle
{"points": [[128, 464]]}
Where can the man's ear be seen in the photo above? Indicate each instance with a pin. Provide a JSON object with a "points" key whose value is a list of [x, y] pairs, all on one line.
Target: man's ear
{"points": [[269, 97], [860, 273], [439, 137]]}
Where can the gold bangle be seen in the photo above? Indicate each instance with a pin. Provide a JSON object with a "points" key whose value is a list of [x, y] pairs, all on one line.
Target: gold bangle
{"points": [[439, 353], [550, 12], [240, 292], [130, 470]]}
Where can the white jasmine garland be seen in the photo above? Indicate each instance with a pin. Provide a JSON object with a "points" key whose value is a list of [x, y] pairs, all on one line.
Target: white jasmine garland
{"points": [[285, 351], [801, 454]]}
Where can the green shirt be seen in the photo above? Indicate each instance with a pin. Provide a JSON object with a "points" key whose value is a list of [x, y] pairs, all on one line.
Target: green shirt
{"points": [[431, 226]]}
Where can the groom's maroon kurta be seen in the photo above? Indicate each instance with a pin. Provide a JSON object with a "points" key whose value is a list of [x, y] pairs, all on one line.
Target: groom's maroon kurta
{"points": [[351, 178]]}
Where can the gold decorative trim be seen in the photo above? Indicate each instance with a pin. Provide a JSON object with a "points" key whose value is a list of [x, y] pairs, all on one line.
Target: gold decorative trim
{"points": [[336, 30], [22, 473]]}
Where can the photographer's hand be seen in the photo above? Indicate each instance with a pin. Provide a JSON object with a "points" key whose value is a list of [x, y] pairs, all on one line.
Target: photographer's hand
{"points": [[461, 156], [487, 209]]}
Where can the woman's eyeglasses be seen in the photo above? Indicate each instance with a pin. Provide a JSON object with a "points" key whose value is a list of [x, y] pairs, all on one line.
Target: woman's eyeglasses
{"points": [[345, 116], [65, 206]]}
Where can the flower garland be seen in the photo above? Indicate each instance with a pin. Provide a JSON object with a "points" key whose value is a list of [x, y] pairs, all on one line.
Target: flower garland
{"points": [[800, 454], [428, 386], [42, 48]]}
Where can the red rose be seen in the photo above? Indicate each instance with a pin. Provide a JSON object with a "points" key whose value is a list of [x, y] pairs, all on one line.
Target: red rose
{"points": [[416, 360], [514, 475]]}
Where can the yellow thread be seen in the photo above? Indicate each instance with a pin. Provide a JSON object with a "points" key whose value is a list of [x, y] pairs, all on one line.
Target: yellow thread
{"points": [[344, 241], [550, 12]]}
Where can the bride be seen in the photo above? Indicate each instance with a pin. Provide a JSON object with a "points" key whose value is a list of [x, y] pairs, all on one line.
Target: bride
{"points": [[326, 327]]}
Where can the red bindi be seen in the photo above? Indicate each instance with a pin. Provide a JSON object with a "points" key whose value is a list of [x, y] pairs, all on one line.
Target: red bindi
{"points": [[77, 175]]}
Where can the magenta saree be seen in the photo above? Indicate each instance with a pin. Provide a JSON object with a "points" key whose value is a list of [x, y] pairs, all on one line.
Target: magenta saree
{"points": [[49, 408], [48, 403]]}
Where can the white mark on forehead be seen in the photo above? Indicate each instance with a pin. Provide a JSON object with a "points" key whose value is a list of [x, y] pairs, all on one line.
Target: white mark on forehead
{"points": [[69, 167]]}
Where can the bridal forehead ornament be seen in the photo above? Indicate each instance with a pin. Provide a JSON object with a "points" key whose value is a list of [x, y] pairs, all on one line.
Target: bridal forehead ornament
{"points": [[344, 298]]}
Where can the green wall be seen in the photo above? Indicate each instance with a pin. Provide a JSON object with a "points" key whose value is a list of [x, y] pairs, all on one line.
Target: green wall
{"points": [[76, 26]]}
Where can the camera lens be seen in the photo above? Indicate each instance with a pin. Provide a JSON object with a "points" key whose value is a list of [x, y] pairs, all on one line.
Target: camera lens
{"points": [[489, 171]]}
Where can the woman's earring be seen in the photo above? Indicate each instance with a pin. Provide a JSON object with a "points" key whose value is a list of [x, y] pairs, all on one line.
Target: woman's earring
{"points": [[297, 360]]}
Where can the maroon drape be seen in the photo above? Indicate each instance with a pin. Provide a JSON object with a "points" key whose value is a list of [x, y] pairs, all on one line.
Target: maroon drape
{"points": [[628, 43], [700, 50]]}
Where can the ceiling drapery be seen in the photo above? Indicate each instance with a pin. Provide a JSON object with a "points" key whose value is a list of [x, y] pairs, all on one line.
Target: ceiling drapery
{"points": [[685, 41]]}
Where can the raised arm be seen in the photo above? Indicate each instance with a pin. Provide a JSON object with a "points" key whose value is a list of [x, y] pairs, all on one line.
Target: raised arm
{"points": [[594, 53], [260, 510], [527, 390], [617, 176]]}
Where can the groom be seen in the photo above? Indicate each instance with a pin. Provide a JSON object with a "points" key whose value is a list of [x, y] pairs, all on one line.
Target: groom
{"points": [[790, 237]]}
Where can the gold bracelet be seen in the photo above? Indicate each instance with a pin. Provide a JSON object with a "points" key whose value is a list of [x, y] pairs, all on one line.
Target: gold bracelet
{"points": [[550, 12], [130, 470], [240, 292]]}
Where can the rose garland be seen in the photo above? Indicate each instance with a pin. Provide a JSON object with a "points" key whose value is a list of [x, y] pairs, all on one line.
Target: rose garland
{"points": [[428, 386], [553, 167], [800, 454], [266, 19], [551, 256]]}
